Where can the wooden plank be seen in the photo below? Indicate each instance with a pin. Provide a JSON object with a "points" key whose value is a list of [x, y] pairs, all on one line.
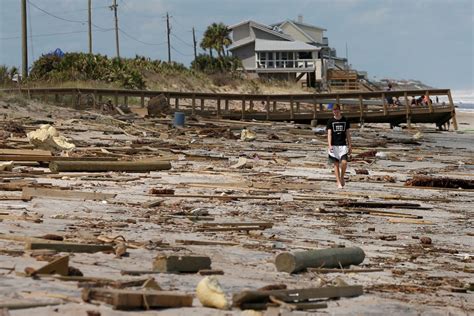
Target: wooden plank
{"points": [[299, 295], [24, 304], [328, 270], [410, 221], [68, 247], [25, 152], [143, 299], [205, 242], [52, 158], [58, 266], [177, 264], [29, 192]]}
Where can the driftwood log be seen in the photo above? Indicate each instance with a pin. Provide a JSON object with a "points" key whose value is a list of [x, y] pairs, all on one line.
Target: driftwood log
{"points": [[323, 258], [101, 166]]}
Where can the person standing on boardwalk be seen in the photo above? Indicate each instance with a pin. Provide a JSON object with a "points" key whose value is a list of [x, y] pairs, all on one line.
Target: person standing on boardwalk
{"points": [[339, 144]]}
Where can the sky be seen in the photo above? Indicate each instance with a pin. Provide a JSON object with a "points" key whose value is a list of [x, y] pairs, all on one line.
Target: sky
{"points": [[427, 40]]}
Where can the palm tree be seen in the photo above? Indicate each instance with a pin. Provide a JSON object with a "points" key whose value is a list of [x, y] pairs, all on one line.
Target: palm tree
{"points": [[216, 37]]}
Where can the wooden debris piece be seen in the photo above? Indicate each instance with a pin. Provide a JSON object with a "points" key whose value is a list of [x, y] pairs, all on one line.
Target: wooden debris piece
{"points": [[142, 299], [68, 247], [34, 219], [326, 270], [245, 299], [151, 283], [187, 264], [323, 258], [59, 266], [25, 152], [101, 166], [379, 204], [425, 181], [410, 221], [210, 272], [238, 226], [24, 304], [205, 242], [29, 192]]}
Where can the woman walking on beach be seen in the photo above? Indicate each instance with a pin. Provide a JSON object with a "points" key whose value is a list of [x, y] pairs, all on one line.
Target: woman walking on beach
{"points": [[339, 143]]}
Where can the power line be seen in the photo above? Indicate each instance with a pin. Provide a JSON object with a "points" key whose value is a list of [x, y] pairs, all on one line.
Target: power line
{"points": [[181, 40], [181, 52], [50, 34], [140, 41], [55, 16], [67, 20]]}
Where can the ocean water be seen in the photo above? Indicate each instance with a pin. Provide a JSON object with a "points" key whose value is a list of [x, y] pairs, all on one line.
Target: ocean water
{"points": [[464, 107]]}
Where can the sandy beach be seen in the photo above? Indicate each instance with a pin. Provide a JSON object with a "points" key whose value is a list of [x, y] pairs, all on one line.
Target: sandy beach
{"points": [[284, 180]]}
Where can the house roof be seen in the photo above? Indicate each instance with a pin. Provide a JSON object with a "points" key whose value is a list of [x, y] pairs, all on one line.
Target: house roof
{"points": [[242, 42], [288, 46], [300, 23], [262, 27]]}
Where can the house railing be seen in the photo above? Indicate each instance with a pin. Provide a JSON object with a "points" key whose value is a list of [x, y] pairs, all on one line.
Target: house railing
{"points": [[287, 63]]}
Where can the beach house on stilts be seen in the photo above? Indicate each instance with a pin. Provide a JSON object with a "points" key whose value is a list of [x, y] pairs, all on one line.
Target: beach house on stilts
{"points": [[293, 51]]}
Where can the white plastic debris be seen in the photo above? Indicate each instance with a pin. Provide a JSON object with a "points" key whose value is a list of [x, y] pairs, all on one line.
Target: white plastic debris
{"points": [[6, 166], [210, 293], [48, 138], [247, 135]]}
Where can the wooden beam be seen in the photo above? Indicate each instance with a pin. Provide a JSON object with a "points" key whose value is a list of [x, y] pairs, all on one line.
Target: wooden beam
{"points": [[29, 192], [68, 247], [144, 165], [132, 299], [178, 264], [453, 111]]}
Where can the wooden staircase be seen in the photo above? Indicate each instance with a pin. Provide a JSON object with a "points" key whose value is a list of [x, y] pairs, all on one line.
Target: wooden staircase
{"points": [[340, 80]]}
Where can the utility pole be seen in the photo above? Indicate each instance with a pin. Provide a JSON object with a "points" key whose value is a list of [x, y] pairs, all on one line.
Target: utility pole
{"points": [[90, 25], [24, 42], [168, 32], [194, 43], [114, 7]]}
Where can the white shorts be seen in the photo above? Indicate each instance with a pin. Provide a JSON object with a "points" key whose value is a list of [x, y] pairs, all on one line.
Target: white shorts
{"points": [[338, 153]]}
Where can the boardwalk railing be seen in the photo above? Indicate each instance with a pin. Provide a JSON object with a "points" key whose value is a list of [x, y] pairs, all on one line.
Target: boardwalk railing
{"points": [[357, 106]]}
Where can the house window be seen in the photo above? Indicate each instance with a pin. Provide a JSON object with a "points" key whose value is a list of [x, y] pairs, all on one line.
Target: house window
{"points": [[262, 59]]}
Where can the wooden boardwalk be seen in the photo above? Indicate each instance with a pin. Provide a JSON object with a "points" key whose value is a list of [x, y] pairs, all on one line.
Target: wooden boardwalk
{"points": [[358, 107]]}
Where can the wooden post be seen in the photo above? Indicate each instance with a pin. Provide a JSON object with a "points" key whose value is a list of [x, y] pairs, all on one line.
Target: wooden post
{"points": [[321, 258], [116, 99], [408, 110], [73, 99], [100, 98], [202, 105], [193, 104], [267, 107], [361, 108], [292, 114], [94, 95], [251, 105], [385, 111], [142, 101], [218, 110], [297, 107], [56, 98], [176, 103], [226, 105], [314, 107], [453, 110], [243, 108], [274, 106], [429, 102], [125, 100]]}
